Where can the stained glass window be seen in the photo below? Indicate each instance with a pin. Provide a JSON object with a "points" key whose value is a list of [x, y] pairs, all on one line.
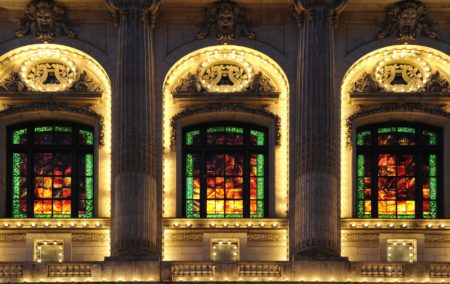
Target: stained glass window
{"points": [[52, 170], [397, 171], [225, 171]]}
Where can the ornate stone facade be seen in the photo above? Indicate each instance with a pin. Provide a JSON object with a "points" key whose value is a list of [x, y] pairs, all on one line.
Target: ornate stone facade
{"points": [[143, 73]]}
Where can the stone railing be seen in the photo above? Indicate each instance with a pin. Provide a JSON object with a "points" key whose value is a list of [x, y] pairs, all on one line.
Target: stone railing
{"points": [[69, 270], [193, 270], [259, 270], [11, 270], [439, 270], [382, 270]]}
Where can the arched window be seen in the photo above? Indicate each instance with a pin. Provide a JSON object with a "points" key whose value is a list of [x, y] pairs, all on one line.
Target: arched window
{"points": [[225, 171], [398, 171], [51, 170]]}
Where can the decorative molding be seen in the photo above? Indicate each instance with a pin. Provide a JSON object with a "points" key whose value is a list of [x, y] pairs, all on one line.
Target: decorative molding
{"points": [[192, 269], [69, 270], [438, 110], [227, 20], [120, 10], [382, 270], [227, 107], [13, 83], [365, 84], [355, 237], [259, 270], [186, 237], [407, 20], [86, 84], [8, 238], [11, 271], [51, 106], [433, 238], [85, 237], [264, 237], [46, 19], [437, 84], [439, 271]]}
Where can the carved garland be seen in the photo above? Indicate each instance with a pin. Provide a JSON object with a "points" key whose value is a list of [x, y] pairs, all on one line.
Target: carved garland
{"points": [[52, 106], [385, 108], [207, 108]]}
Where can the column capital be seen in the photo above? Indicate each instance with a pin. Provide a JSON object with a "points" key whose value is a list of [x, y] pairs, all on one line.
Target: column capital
{"points": [[121, 8], [306, 9], [305, 5]]}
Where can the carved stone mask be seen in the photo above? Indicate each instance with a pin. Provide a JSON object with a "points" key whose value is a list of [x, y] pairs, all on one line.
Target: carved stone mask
{"points": [[408, 20], [44, 19], [225, 21]]}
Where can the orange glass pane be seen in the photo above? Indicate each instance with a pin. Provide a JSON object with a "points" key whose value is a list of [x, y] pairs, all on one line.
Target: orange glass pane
{"points": [[196, 193], [47, 206], [47, 182], [210, 193], [57, 207], [47, 193], [401, 207], [382, 194], [252, 193], [58, 182], [39, 192], [196, 183], [66, 206], [391, 206], [219, 193], [426, 193], [382, 160], [211, 207], [68, 171], [253, 184], [410, 207], [253, 207], [210, 182], [367, 207], [38, 208], [382, 207], [66, 192], [67, 182], [234, 193], [253, 171], [220, 182]]}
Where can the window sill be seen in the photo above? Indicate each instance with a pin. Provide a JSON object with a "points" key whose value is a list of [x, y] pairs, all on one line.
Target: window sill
{"points": [[229, 224]]}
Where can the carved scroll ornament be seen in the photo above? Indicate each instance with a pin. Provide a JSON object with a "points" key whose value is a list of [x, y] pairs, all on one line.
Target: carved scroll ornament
{"points": [[407, 20], [46, 20], [226, 20]]}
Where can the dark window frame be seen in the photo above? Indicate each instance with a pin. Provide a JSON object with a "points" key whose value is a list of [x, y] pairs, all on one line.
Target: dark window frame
{"points": [[419, 150], [246, 149], [30, 148]]}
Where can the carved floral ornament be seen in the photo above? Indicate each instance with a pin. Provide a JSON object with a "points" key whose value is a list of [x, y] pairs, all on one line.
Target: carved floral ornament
{"points": [[401, 71], [407, 20], [225, 72], [45, 19], [48, 70], [225, 20]]}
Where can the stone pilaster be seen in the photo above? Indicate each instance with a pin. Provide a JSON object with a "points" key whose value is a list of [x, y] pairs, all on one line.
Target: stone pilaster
{"points": [[315, 224], [134, 194]]}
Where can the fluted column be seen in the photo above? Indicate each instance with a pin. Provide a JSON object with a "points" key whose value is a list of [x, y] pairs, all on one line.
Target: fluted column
{"points": [[134, 193], [316, 228]]}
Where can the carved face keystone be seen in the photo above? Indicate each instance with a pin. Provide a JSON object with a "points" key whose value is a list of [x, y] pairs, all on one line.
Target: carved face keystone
{"points": [[226, 21], [408, 19], [44, 19]]}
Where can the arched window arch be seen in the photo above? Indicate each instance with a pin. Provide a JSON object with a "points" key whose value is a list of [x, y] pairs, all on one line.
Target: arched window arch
{"points": [[225, 172], [51, 170], [398, 171]]}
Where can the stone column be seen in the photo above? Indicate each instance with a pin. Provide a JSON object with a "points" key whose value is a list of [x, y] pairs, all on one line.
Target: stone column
{"points": [[315, 226], [134, 211]]}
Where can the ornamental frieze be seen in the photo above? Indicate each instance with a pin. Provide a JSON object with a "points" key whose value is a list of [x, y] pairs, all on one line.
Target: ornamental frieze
{"points": [[45, 19], [226, 21], [185, 237], [82, 237], [354, 237], [406, 20], [432, 238], [264, 237], [6, 238]]}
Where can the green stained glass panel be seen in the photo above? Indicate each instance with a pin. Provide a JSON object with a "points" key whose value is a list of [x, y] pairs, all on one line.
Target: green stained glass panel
{"points": [[431, 137], [363, 138], [260, 192], [190, 137], [387, 129], [259, 137], [63, 129], [360, 165], [86, 137], [89, 165], [189, 165], [406, 130], [189, 187], [43, 129], [20, 136], [260, 165], [432, 164], [18, 205]]}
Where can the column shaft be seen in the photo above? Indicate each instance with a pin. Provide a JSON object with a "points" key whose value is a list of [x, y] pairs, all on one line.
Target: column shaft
{"points": [[134, 199], [316, 193]]}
